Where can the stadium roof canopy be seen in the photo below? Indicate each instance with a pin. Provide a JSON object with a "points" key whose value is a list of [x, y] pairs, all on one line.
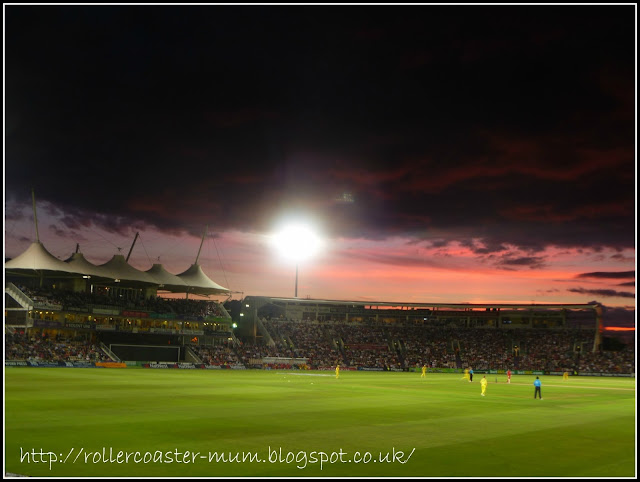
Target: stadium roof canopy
{"points": [[199, 283], [117, 268], [36, 261], [424, 305], [80, 264], [165, 279]]}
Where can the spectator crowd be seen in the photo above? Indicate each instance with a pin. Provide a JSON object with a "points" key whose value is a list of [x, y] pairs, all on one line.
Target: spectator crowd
{"points": [[22, 347], [359, 345]]}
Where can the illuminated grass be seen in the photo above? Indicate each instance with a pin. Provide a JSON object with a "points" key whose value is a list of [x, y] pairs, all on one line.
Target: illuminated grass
{"points": [[584, 427]]}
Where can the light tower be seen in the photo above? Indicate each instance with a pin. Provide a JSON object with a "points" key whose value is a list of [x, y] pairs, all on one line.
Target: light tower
{"points": [[296, 242]]}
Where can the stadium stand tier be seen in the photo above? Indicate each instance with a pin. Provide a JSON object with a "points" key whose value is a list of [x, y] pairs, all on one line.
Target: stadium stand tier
{"points": [[46, 323]]}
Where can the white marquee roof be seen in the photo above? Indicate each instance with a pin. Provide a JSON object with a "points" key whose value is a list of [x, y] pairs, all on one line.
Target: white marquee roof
{"points": [[117, 268], [199, 282], [165, 279], [81, 265], [37, 258]]}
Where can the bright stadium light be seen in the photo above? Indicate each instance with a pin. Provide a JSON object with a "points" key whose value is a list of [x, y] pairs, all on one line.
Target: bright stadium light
{"points": [[297, 242]]}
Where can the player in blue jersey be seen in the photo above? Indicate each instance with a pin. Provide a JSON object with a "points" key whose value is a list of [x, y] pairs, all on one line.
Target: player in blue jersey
{"points": [[537, 383]]}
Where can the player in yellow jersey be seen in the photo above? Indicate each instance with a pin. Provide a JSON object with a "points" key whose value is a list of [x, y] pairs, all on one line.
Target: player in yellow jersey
{"points": [[466, 374], [338, 370], [424, 371], [483, 385], [565, 375]]}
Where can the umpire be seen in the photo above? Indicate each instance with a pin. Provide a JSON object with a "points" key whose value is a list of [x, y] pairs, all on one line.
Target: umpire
{"points": [[537, 383]]}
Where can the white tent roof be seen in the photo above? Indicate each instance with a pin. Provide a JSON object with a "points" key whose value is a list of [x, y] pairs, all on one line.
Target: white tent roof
{"points": [[198, 282], [165, 279], [118, 268], [81, 265], [37, 258]]}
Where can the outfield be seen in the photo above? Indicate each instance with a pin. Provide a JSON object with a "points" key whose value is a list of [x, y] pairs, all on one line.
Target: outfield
{"points": [[583, 427]]}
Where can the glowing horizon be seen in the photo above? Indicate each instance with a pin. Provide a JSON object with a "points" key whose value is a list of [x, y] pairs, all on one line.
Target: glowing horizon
{"points": [[390, 270]]}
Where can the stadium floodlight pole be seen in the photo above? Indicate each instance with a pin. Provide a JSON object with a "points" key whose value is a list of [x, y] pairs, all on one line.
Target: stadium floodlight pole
{"points": [[296, 242]]}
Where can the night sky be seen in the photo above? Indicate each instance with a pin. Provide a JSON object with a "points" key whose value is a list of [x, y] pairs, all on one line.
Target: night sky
{"points": [[445, 153]]}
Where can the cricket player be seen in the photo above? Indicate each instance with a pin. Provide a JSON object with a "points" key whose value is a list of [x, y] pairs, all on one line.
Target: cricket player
{"points": [[509, 375], [424, 371], [338, 370], [466, 374], [565, 376], [483, 385]]}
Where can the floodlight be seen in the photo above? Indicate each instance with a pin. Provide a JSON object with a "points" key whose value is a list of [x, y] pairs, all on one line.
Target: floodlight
{"points": [[297, 242]]}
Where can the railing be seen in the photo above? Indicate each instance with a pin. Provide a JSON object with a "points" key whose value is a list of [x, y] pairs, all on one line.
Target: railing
{"points": [[192, 356], [17, 294], [109, 352], [264, 332], [236, 342], [225, 313]]}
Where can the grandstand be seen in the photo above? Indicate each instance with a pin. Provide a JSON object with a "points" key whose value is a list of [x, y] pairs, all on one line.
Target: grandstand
{"points": [[76, 313], [401, 336], [114, 307], [113, 322], [49, 324]]}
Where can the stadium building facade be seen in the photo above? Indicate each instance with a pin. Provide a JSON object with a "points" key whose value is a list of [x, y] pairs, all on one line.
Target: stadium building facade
{"points": [[134, 316], [585, 317], [114, 303]]}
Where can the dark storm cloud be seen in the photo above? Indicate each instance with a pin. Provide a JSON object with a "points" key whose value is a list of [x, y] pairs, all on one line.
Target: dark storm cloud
{"points": [[603, 293], [19, 238], [440, 243], [507, 125], [621, 257], [14, 212], [400, 261], [484, 248], [58, 232], [533, 262], [551, 291], [630, 283], [608, 274]]}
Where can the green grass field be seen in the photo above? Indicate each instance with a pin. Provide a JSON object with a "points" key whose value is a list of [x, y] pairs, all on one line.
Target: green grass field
{"points": [[583, 427]]}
